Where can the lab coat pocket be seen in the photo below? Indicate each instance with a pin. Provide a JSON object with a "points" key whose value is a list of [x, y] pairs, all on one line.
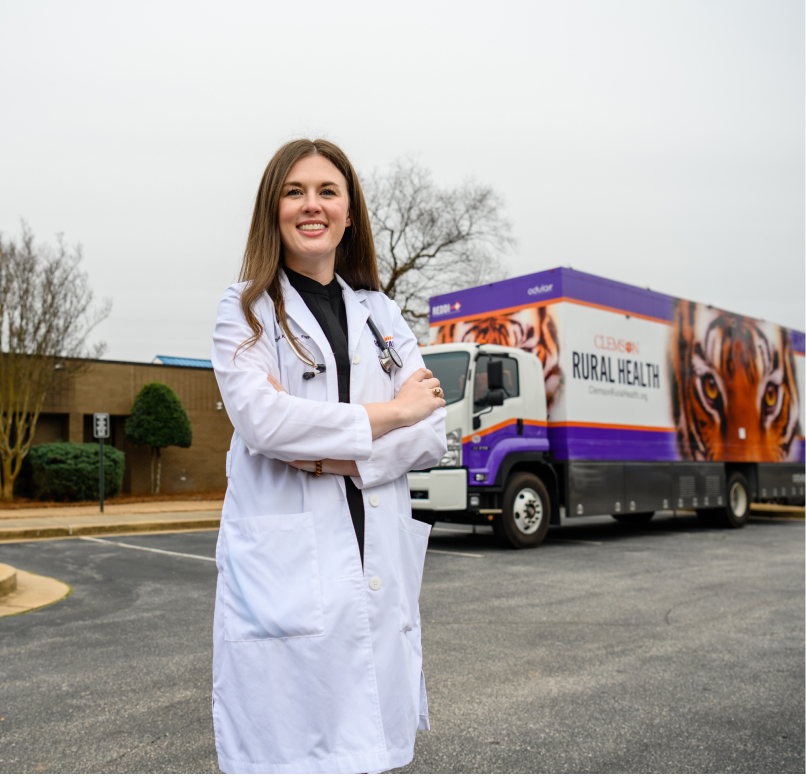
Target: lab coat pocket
{"points": [[413, 542], [271, 574]]}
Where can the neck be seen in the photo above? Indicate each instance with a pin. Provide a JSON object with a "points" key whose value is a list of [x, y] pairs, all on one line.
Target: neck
{"points": [[322, 270]]}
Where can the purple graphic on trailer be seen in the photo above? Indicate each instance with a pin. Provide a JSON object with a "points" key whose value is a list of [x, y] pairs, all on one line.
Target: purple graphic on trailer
{"points": [[547, 286]]}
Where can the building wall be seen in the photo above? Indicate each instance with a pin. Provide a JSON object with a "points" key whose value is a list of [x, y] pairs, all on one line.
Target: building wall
{"points": [[89, 387]]}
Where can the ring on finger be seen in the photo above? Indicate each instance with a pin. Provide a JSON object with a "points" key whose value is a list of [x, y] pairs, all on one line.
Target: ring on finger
{"points": [[437, 391]]}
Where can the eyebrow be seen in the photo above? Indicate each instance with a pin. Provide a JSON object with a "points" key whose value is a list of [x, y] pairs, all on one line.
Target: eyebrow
{"points": [[297, 183]]}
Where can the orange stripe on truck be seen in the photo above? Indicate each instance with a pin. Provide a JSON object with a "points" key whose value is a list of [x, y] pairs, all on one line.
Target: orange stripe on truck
{"points": [[510, 422], [586, 424]]}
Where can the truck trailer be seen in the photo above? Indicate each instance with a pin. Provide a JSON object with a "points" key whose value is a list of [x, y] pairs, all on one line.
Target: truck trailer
{"points": [[570, 395]]}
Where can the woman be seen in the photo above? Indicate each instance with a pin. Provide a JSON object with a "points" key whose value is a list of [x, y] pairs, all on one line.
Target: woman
{"points": [[317, 661]]}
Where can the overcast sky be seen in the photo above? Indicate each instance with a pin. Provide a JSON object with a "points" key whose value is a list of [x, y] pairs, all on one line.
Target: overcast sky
{"points": [[658, 143]]}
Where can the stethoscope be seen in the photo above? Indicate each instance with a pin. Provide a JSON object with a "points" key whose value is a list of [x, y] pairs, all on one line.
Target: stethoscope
{"points": [[388, 357]]}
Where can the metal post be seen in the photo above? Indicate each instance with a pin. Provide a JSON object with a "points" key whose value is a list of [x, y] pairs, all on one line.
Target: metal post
{"points": [[101, 473], [100, 430]]}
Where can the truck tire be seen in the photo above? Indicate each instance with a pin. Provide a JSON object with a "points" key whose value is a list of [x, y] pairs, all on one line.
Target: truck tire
{"points": [[633, 517], [527, 510], [735, 514]]}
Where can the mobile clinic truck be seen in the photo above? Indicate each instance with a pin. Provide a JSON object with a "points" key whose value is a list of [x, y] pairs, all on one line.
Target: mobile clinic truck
{"points": [[572, 395]]}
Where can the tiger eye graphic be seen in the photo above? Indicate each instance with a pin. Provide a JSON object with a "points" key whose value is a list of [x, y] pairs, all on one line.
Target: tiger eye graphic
{"points": [[711, 389], [771, 395]]}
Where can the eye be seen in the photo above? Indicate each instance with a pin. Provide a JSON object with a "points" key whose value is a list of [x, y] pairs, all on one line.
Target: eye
{"points": [[710, 388], [771, 395], [328, 192], [293, 191]]}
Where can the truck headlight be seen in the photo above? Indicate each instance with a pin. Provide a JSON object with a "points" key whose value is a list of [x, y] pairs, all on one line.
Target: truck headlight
{"points": [[453, 457]]}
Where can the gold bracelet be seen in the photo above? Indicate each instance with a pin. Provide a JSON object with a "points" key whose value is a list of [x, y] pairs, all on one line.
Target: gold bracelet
{"points": [[318, 472]]}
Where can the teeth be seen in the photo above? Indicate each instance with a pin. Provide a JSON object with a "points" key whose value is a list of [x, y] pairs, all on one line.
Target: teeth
{"points": [[311, 227]]}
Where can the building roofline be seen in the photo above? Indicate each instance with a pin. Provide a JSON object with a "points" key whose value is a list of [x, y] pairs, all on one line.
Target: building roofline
{"points": [[136, 364]]}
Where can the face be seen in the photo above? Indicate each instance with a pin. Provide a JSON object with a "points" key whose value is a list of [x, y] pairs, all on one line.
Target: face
{"points": [[314, 212]]}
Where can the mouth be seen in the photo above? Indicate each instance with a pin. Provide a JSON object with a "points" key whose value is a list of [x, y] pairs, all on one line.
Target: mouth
{"points": [[312, 228]]}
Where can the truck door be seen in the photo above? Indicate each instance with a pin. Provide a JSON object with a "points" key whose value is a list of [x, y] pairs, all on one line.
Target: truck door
{"points": [[490, 423]]}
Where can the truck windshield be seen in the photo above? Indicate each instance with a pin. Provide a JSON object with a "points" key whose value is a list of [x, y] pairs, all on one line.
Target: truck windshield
{"points": [[451, 370]]}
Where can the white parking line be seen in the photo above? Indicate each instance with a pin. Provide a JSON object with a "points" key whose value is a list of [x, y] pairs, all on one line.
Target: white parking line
{"points": [[207, 558], [150, 550], [455, 553]]}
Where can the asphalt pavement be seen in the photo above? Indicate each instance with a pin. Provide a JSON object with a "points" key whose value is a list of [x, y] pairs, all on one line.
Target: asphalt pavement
{"points": [[662, 648]]}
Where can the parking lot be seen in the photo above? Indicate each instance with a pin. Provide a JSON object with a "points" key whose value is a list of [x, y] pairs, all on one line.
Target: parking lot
{"points": [[662, 648]]}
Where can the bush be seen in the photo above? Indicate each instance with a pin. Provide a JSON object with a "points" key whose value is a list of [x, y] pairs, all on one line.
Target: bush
{"points": [[68, 472]]}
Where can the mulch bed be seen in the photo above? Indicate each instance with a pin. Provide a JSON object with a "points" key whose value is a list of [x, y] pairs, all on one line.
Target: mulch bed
{"points": [[124, 499]]}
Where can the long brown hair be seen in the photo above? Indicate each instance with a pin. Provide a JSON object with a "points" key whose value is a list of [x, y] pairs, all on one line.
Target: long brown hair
{"points": [[355, 254]]}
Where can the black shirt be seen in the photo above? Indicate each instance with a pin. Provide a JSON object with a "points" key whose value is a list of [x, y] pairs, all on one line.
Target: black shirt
{"points": [[327, 305]]}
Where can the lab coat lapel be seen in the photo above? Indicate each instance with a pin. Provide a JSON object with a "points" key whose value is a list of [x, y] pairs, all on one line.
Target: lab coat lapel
{"points": [[357, 315]]}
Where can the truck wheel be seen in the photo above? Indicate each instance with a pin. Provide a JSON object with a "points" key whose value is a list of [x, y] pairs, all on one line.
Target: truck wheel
{"points": [[737, 511], [633, 517], [527, 510]]}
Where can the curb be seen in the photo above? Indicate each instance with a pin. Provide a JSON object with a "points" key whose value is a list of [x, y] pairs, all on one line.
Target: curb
{"points": [[777, 515], [786, 512], [50, 532], [33, 592], [8, 580]]}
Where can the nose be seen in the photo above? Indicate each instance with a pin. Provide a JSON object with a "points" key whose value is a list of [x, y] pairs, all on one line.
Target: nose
{"points": [[311, 203]]}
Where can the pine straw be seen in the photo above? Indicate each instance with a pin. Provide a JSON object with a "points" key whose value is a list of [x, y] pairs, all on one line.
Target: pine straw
{"points": [[123, 499]]}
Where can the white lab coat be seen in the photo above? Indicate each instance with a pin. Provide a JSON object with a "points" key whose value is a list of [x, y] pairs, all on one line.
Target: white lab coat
{"points": [[315, 667]]}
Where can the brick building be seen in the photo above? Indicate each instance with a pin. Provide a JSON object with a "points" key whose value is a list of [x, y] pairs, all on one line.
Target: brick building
{"points": [[111, 387]]}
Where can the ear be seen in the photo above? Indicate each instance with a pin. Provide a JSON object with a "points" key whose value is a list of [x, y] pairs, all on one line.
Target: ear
{"points": [[348, 223]]}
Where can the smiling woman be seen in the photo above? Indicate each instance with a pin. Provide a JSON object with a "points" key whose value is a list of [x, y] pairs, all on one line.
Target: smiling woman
{"points": [[266, 245], [317, 656], [314, 214]]}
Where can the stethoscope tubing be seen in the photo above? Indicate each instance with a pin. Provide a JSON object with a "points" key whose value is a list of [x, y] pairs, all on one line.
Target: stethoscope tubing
{"points": [[388, 357]]}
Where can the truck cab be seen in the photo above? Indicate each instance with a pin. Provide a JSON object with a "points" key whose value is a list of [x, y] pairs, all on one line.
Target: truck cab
{"points": [[497, 469]]}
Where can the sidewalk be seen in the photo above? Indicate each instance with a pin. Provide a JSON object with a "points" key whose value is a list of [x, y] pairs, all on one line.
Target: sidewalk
{"points": [[51, 522]]}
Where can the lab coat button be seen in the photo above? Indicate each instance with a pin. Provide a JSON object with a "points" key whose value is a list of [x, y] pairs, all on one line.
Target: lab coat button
{"points": [[356, 358], [374, 583], [374, 500]]}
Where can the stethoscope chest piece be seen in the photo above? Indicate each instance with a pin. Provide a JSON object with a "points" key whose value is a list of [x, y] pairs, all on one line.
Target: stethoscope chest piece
{"points": [[389, 356]]}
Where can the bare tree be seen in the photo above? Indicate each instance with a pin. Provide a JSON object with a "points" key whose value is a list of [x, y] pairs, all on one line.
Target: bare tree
{"points": [[430, 240], [46, 316]]}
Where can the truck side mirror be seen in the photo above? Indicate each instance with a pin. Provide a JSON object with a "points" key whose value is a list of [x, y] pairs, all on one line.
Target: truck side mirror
{"points": [[495, 397], [495, 376]]}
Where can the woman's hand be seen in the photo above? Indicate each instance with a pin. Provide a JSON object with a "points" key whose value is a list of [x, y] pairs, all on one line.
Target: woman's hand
{"points": [[416, 398], [329, 467], [414, 402]]}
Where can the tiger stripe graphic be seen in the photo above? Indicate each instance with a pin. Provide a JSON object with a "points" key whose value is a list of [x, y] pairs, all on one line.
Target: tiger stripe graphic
{"points": [[533, 329]]}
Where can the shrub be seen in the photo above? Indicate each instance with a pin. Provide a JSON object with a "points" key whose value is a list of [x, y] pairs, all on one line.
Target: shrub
{"points": [[68, 471]]}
